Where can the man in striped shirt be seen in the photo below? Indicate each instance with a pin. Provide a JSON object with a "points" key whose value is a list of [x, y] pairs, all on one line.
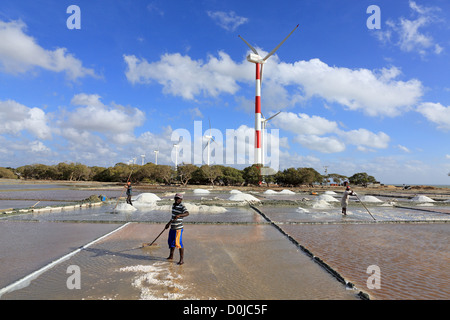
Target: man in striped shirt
{"points": [[176, 227]]}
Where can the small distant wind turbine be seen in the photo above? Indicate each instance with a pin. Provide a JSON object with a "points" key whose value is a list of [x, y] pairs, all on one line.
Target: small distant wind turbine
{"points": [[259, 62], [156, 156], [263, 125], [176, 155], [143, 158], [210, 138]]}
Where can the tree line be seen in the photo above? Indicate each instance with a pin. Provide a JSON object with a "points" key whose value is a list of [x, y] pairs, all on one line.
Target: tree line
{"points": [[184, 174]]}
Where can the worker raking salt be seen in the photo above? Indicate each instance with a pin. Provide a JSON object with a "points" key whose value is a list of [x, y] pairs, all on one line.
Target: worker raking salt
{"points": [[175, 240], [344, 200]]}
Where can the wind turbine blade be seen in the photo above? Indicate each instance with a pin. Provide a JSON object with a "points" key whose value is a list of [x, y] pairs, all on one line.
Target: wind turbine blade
{"points": [[248, 44], [274, 115], [278, 46]]}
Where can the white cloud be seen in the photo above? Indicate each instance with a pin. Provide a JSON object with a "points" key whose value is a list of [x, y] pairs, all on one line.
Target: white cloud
{"points": [[376, 93], [181, 76], [436, 113], [320, 134], [403, 148], [365, 138], [15, 118], [409, 34], [227, 20], [303, 124], [322, 144], [20, 53], [94, 116], [38, 146]]}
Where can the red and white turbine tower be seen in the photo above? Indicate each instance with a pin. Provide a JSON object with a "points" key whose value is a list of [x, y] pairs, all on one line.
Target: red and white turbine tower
{"points": [[259, 62]]}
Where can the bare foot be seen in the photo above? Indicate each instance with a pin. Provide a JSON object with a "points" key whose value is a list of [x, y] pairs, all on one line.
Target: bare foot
{"points": [[180, 263]]}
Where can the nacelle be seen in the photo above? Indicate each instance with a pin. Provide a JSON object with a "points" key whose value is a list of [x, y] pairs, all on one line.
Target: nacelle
{"points": [[255, 58]]}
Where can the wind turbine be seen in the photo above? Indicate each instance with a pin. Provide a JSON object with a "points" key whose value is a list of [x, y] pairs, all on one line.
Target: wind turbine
{"points": [[209, 137], [176, 155], [143, 158], [259, 62], [263, 125], [156, 156]]}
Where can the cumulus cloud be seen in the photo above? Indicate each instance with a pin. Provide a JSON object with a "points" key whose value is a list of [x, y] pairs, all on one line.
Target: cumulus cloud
{"points": [[182, 76], [20, 53], [93, 115], [436, 113], [323, 135], [409, 34], [15, 118], [376, 93], [227, 20]]}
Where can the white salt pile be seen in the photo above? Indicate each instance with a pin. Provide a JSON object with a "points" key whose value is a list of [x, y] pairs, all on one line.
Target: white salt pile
{"points": [[327, 198], [125, 207], [370, 199], [204, 208], [321, 204], [422, 199], [201, 191], [243, 197], [146, 198], [331, 193], [235, 191], [285, 191]]}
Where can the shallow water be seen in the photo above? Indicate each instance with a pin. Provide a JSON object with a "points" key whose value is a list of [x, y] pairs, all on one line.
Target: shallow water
{"points": [[414, 260], [236, 262], [224, 249]]}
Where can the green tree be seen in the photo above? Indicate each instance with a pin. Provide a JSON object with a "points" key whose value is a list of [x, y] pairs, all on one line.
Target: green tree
{"points": [[165, 173], [7, 173], [210, 173], [185, 172], [231, 176], [361, 178], [252, 175]]}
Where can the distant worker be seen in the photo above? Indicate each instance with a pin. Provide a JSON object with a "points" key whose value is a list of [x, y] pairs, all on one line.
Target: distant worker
{"points": [[175, 240], [129, 189], [344, 200]]}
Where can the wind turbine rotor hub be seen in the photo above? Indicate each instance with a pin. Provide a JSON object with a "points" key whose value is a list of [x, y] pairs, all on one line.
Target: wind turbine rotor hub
{"points": [[255, 58]]}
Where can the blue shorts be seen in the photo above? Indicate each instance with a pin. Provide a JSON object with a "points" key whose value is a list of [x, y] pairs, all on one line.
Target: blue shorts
{"points": [[176, 238]]}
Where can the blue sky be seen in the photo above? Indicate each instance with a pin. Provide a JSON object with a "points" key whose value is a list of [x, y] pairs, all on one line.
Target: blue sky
{"points": [[137, 73]]}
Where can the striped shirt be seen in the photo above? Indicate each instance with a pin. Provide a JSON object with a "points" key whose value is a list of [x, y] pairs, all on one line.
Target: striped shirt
{"points": [[177, 209]]}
